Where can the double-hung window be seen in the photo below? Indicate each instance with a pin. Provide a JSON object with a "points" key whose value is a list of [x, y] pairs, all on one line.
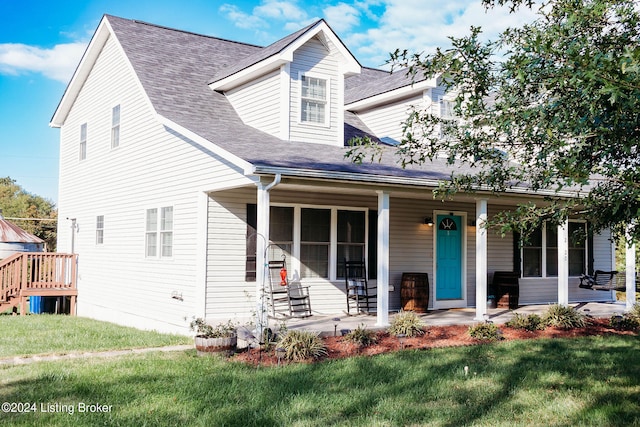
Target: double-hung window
{"points": [[315, 240], [540, 252], [115, 126], [83, 141], [159, 232], [99, 229], [314, 96]]}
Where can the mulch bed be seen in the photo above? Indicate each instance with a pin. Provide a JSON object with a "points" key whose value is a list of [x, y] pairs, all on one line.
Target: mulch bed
{"points": [[434, 337]]}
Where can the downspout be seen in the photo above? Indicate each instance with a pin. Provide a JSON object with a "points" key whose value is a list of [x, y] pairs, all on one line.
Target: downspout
{"points": [[261, 255]]}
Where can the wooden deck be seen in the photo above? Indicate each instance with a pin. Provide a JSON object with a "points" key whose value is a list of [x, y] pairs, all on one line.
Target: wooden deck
{"points": [[26, 274]]}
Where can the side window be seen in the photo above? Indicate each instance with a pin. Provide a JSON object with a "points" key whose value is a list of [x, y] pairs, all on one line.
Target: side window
{"points": [[83, 142], [99, 229], [115, 126], [315, 235]]}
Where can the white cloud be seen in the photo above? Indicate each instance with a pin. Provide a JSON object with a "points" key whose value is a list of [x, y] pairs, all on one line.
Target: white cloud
{"points": [[280, 10], [421, 26], [57, 63], [241, 19], [342, 17]]}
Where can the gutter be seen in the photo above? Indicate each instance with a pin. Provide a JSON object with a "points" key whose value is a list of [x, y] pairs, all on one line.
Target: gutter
{"points": [[392, 180]]}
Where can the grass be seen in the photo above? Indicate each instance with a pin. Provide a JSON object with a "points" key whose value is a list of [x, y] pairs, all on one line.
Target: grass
{"points": [[554, 382], [51, 334]]}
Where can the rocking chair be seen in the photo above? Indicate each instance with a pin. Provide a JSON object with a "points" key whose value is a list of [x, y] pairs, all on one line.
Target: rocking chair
{"points": [[359, 295], [286, 299]]}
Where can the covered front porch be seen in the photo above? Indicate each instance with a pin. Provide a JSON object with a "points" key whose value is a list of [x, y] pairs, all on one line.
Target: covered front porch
{"points": [[328, 324], [396, 227]]}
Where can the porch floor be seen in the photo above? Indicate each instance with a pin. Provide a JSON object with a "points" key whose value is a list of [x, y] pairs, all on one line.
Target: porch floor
{"points": [[324, 324]]}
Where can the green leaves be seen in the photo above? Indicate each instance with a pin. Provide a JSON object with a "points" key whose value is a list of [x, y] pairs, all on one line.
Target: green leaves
{"points": [[560, 97]]}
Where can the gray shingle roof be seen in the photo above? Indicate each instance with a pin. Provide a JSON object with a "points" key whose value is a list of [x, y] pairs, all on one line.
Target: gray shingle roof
{"points": [[174, 68], [261, 54]]}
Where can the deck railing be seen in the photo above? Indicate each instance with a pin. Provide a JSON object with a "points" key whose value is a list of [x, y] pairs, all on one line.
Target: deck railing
{"points": [[25, 274]]}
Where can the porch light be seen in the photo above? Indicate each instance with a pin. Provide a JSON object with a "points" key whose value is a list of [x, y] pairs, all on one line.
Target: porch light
{"points": [[429, 221]]}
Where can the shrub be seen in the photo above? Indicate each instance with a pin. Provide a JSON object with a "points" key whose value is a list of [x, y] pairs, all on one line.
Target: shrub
{"points": [[625, 322], [485, 332], [362, 336], [205, 330], [407, 323], [302, 345], [564, 317], [532, 322]]}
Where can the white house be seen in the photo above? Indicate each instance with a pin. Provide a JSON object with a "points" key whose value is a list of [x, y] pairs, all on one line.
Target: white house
{"points": [[180, 154]]}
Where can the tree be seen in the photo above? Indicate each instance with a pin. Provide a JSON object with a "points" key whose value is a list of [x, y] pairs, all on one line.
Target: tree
{"points": [[554, 105], [18, 203]]}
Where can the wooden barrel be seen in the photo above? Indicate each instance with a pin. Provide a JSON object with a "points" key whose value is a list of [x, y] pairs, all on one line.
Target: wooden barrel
{"points": [[414, 292]]}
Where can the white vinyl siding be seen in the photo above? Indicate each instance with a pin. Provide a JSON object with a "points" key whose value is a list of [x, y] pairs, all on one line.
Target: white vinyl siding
{"points": [[386, 121], [258, 103], [313, 59], [160, 169]]}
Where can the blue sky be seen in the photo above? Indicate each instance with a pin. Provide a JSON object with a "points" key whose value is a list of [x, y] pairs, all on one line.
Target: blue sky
{"points": [[41, 42]]}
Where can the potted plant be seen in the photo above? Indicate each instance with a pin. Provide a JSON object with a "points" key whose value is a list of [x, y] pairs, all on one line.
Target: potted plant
{"points": [[213, 339]]}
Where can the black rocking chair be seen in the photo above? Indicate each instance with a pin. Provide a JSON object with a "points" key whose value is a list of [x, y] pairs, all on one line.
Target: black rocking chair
{"points": [[359, 295]]}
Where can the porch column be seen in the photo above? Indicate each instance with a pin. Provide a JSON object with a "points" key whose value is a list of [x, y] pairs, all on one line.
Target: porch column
{"points": [[262, 241], [382, 312], [630, 258], [481, 259], [563, 263]]}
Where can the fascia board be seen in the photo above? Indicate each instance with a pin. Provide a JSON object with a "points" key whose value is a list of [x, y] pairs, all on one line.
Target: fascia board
{"points": [[83, 70], [397, 181], [252, 72], [391, 96], [349, 64], [246, 167]]}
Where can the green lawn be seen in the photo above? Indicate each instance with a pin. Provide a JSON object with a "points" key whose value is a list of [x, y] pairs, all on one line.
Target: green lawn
{"points": [[563, 382], [50, 334]]}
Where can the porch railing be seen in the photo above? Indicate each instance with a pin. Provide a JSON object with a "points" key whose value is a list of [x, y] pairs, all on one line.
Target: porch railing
{"points": [[25, 274]]}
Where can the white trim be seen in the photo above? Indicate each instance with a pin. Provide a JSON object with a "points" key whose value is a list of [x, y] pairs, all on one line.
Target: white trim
{"points": [[392, 95], [630, 266], [382, 279], [481, 259], [247, 167], [91, 54], [349, 64], [563, 263], [285, 101], [457, 303], [200, 304], [327, 100]]}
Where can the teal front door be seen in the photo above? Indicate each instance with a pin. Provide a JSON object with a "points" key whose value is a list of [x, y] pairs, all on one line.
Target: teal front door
{"points": [[449, 257]]}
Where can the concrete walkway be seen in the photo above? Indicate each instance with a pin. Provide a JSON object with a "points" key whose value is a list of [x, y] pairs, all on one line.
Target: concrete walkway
{"points": [[325, 324]]}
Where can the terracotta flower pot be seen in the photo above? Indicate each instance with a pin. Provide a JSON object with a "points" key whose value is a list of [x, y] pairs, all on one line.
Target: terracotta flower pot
{"points": [[214, 345]]}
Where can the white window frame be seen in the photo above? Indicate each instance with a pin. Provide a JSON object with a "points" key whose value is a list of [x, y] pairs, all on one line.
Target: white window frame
{"points": [[544, 272], [326, 101], [158, 232], [99, 229], [115, 126], [295, 264], [82, 155]]}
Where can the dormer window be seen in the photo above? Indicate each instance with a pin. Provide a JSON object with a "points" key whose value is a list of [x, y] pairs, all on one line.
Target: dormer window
{"points": [[314, 100]]}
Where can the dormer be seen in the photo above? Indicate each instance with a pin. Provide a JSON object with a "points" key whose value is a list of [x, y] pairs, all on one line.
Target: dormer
{"points": [[294, 88]]}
